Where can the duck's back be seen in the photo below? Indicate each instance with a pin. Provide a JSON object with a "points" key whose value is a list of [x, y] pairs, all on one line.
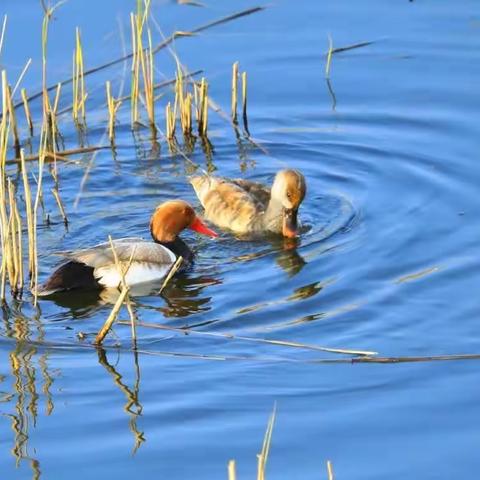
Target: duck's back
{"points": [[233, 204], [136, 250]]}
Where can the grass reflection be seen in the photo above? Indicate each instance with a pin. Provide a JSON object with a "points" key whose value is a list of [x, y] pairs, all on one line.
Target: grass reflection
{"points": [[30, 376], [133, 408]]}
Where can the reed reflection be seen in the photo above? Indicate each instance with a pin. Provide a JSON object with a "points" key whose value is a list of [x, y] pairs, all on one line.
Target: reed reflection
{"points": [[30, 379], [133, 408]]}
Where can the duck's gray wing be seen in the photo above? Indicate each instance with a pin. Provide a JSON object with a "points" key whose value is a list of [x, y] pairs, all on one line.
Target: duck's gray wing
{"points": [[137, 249]]}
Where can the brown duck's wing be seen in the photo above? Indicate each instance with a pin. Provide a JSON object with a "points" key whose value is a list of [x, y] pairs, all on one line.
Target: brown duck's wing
{"points": [[138, 249], [258, 191], [226, 203]]}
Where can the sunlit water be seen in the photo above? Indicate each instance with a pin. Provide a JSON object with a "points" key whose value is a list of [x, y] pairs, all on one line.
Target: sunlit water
{"points": [[388, 259]]}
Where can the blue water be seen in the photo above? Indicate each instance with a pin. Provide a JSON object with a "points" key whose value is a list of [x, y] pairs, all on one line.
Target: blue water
{"points": [[388, 260]]}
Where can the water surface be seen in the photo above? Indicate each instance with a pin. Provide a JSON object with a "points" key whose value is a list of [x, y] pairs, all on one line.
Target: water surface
{"points": [[388, 260]]}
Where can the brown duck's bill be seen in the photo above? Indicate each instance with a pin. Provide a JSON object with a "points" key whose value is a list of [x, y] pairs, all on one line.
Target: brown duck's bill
{"points": [[290, 224], [198, 226]]}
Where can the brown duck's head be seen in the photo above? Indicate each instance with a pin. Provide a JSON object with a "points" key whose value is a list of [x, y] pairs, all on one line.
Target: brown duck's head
{"points": [[173, 216], [289, 190]]}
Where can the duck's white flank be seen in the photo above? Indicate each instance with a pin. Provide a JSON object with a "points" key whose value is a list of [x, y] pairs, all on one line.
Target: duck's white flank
{"points": [[138, 273]]}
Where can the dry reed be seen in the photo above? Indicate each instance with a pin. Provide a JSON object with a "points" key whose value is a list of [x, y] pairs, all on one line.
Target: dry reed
{"points": [[2, 35], [170, 121], [201, 101], [79, 95], [123, 270], [232, 470], [142, 63], [329, 56], [113, 105], [330, 470], [56, 195], [111, 318], [262, 457], [13, 121], [10, 219], [157, 48], [171, 273], [244, 103], [28, 115], [20, 77], [183, 101], [234, 92], [6, 266], [283, 343], [32, 256]]}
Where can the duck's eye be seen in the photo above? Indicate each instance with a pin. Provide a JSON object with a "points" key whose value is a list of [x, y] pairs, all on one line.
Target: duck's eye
{"points": [[289, 195]]}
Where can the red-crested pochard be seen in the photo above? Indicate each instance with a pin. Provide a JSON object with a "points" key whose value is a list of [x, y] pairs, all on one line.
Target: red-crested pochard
{"points": [[250, 207], [95, 267]]}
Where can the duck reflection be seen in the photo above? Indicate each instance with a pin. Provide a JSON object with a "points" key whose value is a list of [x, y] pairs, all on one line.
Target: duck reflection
{"points": [[183, 296], [288, 258], [285, 251]]}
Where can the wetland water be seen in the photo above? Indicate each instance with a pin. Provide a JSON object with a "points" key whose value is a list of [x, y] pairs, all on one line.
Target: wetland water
{"points": [[388, 260]]}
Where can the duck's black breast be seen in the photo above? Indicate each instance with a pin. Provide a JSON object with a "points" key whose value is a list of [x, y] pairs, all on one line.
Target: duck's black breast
{"points": [[69, 276]]}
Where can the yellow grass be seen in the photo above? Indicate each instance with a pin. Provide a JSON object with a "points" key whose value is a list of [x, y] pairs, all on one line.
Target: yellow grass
{"points": [[113, 105], [244, 102], [234, 91], [201, 100], [329, 57], [142, 63], [2, 35], [28, 115], [111, 318], [330, 470], [78, 87], [232, 471], [32, 255], [171, 273]]}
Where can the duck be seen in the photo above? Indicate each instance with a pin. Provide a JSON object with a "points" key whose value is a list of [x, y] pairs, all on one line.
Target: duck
{"points": [[247, 207], [147, 261]]}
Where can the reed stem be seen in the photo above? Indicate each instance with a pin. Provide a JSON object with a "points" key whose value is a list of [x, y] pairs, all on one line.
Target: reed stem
{"points": [[232, 472], [244, 102], [30, 220], [123, 271], [111, 318], [171, 273], [26, 107], [330, 470], [78, 78], [329, 56], [234, 92]]}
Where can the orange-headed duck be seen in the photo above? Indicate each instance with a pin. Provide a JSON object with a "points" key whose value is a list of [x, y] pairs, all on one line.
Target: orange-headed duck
{"points": [[150, 261], [249, 207]]}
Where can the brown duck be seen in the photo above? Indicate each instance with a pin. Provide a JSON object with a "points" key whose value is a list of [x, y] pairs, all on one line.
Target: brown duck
{"points": [[250, 207]]}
